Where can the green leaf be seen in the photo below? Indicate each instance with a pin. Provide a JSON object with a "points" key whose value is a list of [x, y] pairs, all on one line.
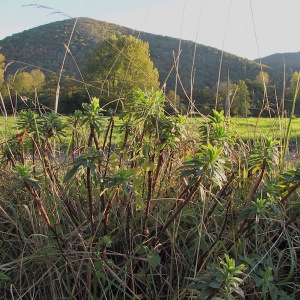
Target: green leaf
{"points": [[259, 282], [32, 182], [205, 293], [142, 250], [139, 201], [214, 284], [148, 166], [71, 173], [107, 241], [153, 259], [239, 291], [4, 277]]}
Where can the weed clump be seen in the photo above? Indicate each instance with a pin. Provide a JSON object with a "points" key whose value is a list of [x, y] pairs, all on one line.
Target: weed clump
{"points": [[137, 206]]}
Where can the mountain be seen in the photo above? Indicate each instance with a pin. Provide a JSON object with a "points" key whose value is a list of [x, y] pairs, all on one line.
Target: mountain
{"points": [[290, 62], [43, 47]]}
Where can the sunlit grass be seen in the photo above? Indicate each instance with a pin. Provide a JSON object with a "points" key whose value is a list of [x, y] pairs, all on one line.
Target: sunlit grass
{"points": [[7, 127], [254, 128], [246, 128]]}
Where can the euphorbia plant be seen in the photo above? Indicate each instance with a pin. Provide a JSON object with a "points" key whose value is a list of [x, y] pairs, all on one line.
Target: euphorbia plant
{"points": [[208, 165], [87, 161]]}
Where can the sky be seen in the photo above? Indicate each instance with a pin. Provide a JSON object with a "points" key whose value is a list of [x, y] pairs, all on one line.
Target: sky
{"points": [[247, 28]]}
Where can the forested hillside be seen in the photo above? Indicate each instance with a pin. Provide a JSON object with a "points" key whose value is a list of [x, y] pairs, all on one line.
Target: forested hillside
{"points": [[291, 61], [43, 47], [180, 64], [281, 63]]}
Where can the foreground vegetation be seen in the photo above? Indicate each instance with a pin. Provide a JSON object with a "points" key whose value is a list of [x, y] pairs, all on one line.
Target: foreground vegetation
{"points": [[157, 214]]}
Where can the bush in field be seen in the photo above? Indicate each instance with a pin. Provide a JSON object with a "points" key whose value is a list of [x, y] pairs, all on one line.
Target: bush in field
{"points": [[145, 206]]}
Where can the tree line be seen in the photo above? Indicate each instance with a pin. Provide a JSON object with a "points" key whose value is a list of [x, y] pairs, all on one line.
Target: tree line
{"points": [[121, 64]]}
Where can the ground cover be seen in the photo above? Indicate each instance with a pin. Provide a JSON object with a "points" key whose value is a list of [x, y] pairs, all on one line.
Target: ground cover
{"points": [[147, 206]]}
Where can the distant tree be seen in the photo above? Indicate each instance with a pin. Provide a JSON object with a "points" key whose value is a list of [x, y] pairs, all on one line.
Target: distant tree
{"points": [[290, 94], [294, 81], [25, 86], [2, 69], [120, 64], [21, 83], [241, 101], [47, 94], [25, 83], [72, 95], [258, 95], [174, 99], [223, 89], [262, 78], [38, 79], [204, 99]]}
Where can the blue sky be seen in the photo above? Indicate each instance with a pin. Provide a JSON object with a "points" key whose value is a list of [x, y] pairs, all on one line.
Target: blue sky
{"points": [[248, 28]]}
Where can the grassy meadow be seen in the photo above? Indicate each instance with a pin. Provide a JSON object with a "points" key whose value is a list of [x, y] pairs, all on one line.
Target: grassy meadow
{"points": [[246, 128], [253, 128]]}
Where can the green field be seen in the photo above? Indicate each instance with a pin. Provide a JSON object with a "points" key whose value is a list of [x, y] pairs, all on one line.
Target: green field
{"points": [[252, 128], [246, 128]]}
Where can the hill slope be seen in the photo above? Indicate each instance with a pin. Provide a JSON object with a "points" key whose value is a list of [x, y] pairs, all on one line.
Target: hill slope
{"points": [[43, 47], [278, 62], [290, 60]]}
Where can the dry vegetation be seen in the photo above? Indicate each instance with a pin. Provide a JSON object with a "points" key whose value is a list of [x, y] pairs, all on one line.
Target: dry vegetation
{"points": [[158, 214]]}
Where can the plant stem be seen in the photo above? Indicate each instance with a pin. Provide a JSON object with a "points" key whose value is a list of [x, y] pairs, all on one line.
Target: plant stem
{"points": [[180, 207], [90, 197]]}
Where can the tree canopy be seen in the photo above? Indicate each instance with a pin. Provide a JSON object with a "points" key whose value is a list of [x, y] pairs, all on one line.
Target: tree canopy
{"points": [[1, 68], [43, 47], [262, 78], [120, 64], [241, 101], [25, 83]]}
